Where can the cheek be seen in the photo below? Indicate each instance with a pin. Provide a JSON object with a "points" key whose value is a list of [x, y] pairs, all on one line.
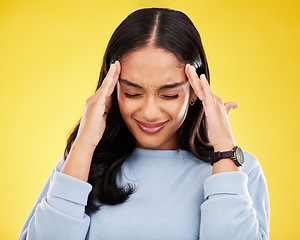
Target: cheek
{"points": [[121, 101], [183, 106], [127, 106], [178, 109], [123, 105]]}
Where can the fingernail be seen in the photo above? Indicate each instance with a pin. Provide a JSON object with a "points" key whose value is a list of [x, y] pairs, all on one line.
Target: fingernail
{"points": [[111, 65], [192, 68], [203, 77]]}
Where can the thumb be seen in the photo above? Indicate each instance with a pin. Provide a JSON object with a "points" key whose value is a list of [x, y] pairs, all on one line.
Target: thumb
{"points": [[230, 105]]}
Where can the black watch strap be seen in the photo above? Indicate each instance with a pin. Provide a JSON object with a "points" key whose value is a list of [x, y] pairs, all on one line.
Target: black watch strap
{"points": [[236, 155], [220, 155]]}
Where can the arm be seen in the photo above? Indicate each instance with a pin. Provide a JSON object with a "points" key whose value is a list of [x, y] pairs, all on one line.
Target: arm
{"points": [[92, 126], [236, 205], [59, 212]]}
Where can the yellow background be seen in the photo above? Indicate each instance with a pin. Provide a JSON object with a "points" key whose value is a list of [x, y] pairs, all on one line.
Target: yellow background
{"points": [[50, 55]]}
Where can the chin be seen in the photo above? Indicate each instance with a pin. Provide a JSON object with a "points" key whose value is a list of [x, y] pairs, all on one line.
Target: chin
{"points": [[148, 144], [154, 144]]}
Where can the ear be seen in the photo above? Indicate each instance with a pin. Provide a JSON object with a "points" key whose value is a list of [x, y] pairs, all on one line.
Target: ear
{"points": [[193, 96]]}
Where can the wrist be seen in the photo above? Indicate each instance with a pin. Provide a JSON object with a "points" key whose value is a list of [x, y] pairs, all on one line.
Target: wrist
{"points": [[83, 146], [79, 161], [224, 147], [231, 160], [225, 165]]}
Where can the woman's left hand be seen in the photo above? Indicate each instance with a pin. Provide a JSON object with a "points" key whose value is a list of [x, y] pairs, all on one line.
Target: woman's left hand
{"points": [[216, 112]]}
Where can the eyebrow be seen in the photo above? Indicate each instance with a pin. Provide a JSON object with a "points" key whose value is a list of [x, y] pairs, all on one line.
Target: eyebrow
{"points": [[167, 86]]}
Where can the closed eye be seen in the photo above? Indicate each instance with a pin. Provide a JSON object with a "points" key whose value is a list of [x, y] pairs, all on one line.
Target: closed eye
{"points": [[131, 95], [169, 97]]}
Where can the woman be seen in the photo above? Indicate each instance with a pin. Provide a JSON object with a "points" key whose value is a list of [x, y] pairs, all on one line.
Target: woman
{"points": [[138, 165]]}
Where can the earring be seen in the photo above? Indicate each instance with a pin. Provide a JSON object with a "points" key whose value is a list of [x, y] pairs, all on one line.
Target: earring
{"points": [[192, 103]]}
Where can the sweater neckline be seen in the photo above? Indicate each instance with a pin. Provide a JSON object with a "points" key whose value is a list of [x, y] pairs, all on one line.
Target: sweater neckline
{"points": [[141, 152]]}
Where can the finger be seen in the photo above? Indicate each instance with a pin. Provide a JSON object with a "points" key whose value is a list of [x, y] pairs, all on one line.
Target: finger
{"points": [[230, 105], [194, 81], [207, 89], [115, 78], [108, 80], [220, 100], [112, 86], [105, 88]]}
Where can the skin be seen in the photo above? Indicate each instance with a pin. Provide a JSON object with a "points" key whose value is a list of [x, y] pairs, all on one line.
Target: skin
{"points": [[151, 68], [220, 134], [149, 103]]}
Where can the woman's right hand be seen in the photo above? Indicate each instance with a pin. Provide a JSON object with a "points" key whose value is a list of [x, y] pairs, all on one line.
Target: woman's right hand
{"points": [[93, 121]]}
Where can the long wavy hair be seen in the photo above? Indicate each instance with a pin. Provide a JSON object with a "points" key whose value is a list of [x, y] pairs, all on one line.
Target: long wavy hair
{"points": [[162, 28]]}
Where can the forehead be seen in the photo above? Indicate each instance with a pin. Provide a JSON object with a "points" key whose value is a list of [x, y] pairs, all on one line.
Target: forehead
{"points": [[152, 67]]}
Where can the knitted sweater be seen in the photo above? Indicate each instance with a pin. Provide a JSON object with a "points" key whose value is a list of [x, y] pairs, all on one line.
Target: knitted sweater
{"points": [[176, 197]]}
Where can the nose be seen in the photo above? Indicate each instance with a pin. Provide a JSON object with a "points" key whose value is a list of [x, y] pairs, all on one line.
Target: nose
{"points": [[151, 110]]}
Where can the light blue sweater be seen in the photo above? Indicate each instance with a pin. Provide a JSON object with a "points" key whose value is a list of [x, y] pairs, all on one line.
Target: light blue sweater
{"points": [[176, 198]]}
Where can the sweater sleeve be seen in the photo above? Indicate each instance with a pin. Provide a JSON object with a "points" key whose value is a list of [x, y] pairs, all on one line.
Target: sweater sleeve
{"points": [[236, 204], [59, 212]]}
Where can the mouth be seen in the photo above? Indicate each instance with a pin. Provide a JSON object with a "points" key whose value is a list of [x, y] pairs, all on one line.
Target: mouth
{"points": [[151, 127]]}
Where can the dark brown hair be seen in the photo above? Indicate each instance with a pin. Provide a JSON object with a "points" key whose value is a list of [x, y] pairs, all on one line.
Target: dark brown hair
{"points": [[166, 29]]}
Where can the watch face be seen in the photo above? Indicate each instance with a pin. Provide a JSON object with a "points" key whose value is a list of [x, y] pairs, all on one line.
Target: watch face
{"points": [[239, 155]]}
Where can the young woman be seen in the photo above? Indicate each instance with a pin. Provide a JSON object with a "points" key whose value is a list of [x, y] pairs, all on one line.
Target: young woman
{"points": [[153, 156]]}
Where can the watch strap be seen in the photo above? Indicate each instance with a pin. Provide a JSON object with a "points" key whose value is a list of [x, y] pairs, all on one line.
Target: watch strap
{"points": [[220, 155]]}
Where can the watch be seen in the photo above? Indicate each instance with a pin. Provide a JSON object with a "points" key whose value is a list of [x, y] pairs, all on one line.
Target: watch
{"points": [[236, 155]]}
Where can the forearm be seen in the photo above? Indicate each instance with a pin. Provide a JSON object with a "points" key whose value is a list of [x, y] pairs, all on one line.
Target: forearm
{"points": [[236, 204], [229, 212], [78, 161], [59, 212]]}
